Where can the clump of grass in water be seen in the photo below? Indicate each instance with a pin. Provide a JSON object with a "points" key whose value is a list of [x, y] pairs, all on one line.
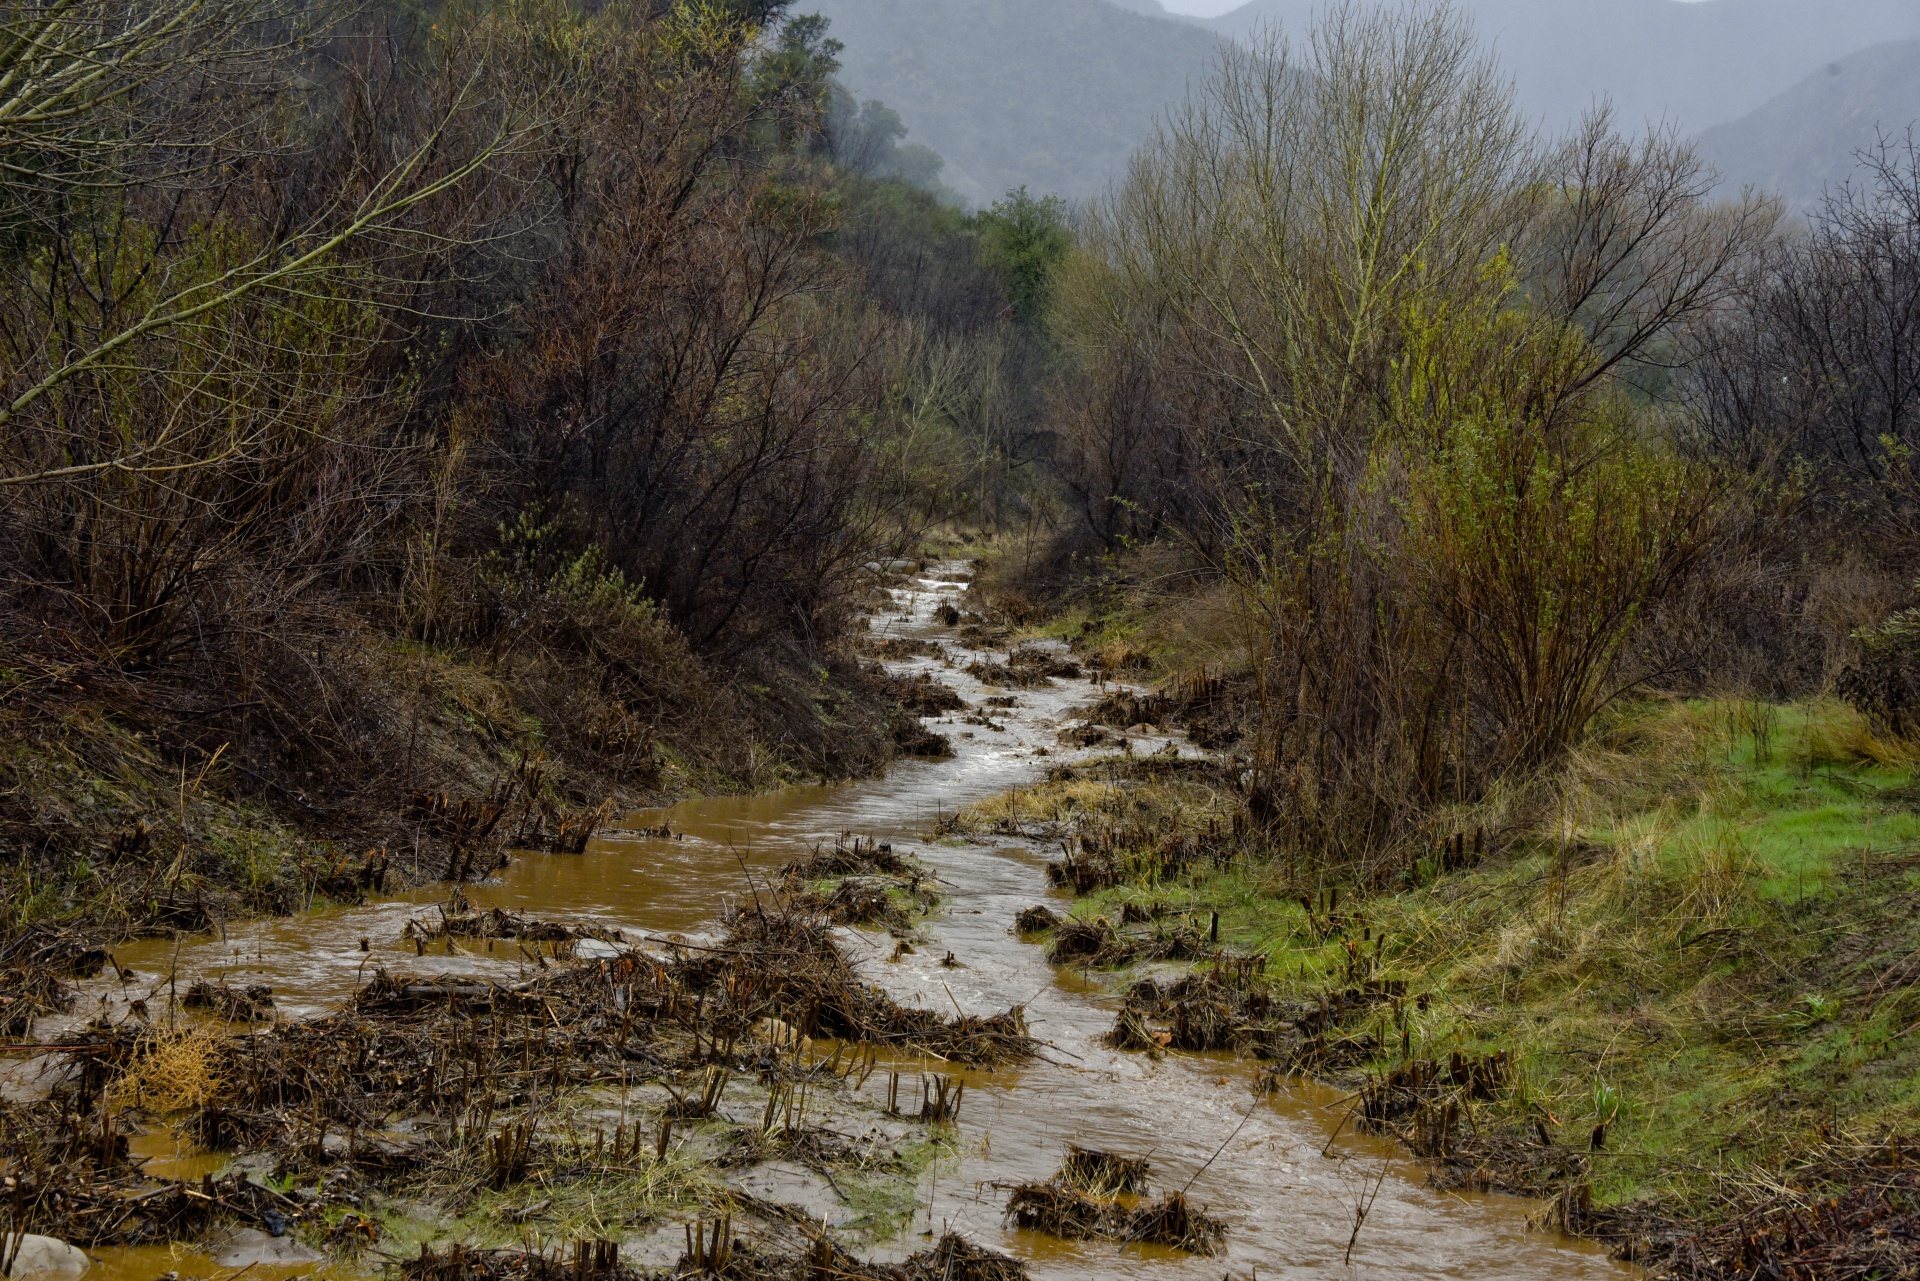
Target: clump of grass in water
{"points": [[174, 1070]]}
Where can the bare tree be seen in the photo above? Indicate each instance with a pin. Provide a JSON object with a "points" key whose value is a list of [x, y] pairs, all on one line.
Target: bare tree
{"points": [[1390, 328], [1628, 247], [150, 233]]}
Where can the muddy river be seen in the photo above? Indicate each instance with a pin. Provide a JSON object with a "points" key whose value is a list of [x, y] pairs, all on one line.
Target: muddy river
{"points": [[1258, 1163]]}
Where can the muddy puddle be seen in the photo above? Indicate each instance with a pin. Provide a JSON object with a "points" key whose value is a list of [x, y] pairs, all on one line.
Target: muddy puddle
{"points": [[1255, 1162]]}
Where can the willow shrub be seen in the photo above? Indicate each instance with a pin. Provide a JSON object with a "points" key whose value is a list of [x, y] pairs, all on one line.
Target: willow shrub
{"points": [[1458, 612]]}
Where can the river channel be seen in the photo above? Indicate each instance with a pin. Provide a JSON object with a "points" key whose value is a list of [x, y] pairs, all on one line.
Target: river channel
{"points": [[1259, 1163]]}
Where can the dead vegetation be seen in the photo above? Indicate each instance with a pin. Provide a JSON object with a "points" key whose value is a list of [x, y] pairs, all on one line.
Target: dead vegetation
{"points": [[1214, 709], [899, 647], [1097, 944], [1103, 1196], [1104, 856], [235, 1004], [460, 1085], [923, 695], [1025, 667], [1037, 919], [457, 918], [1447, 1113], [911, 738], [1103, 1173], [849, 856], [858, 881], [25, 997], [1218, 1009], [1847, 1210], [786, 1253]]}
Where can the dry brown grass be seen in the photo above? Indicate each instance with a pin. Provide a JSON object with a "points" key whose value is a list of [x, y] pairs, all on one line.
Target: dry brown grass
{"points": [[177, 1070]]}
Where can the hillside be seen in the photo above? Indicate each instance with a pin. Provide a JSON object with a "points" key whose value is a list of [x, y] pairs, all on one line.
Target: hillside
{"points": [[1803, 141], [1699, 64], [1053, 94]]}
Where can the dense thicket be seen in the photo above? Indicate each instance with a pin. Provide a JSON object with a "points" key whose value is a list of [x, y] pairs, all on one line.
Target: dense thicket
{"points": [[393, 397], [1482, 430]]}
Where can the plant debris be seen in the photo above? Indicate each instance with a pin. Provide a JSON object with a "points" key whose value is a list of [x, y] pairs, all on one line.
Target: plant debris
{"points": [[240, 1004], [848, 857], [28, 994], [1037, 919], [1136, 854], [869, 884], [923, 695], [459, 919], [1103, 1173], [1224, 1008], [715, 1251], [1098, 945], [1102, 1196], [1028, 667]]}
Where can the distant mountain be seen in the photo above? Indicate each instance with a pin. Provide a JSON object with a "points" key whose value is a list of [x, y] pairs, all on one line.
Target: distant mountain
{"points": [[1802, 141], [1053, 94], [1697, 64]]}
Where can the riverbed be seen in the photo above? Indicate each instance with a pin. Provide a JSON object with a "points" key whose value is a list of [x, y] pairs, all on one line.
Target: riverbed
{"points": [[1262, 1163]]}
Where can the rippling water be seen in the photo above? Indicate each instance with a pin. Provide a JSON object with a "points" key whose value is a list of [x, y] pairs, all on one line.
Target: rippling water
{"points": [[1257, 1163]]}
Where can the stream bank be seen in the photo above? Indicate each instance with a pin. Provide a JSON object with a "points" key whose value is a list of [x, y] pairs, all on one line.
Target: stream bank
{"points": [[1671, 990]]}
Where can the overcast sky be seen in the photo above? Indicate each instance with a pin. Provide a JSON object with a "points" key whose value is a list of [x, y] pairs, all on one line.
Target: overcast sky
{"points": [[1202, 8]]}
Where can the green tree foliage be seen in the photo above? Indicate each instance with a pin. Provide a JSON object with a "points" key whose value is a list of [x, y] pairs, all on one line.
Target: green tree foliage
{"points": [[793, 79], [1022, 239]]}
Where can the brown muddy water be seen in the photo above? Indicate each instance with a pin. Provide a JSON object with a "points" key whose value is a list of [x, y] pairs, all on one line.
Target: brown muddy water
{"points": [[1259, 1164]]}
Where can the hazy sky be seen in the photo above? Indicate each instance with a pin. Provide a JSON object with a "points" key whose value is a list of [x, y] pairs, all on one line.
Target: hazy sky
{"points": [[1202, 8]]}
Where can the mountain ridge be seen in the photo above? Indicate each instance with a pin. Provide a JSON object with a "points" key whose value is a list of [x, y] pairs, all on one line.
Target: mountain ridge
{"points": [[1055, 94], [1803, 141], [1692, 64]]}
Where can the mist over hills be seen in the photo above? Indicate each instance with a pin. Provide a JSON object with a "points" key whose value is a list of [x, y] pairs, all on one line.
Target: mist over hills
{"points": [[1695, 64], [1054, 94], [1802, 141]]}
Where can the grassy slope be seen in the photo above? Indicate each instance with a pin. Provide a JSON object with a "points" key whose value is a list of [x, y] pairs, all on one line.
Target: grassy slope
{"points": [[1699, 946]]}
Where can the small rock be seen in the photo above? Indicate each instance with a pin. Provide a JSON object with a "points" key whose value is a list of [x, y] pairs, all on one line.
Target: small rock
{"points": [[596, 950], [47, 1257]]}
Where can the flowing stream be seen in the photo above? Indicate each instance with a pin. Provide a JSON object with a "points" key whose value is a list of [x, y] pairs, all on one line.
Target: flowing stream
{"points": [[1259, 1163]]}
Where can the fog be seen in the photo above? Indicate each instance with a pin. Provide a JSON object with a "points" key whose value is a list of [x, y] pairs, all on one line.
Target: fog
{"points": [[1054, 94]]}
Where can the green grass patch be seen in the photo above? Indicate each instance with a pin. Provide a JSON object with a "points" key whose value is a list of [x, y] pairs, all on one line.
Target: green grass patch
{"points": [[1695, 937]]}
